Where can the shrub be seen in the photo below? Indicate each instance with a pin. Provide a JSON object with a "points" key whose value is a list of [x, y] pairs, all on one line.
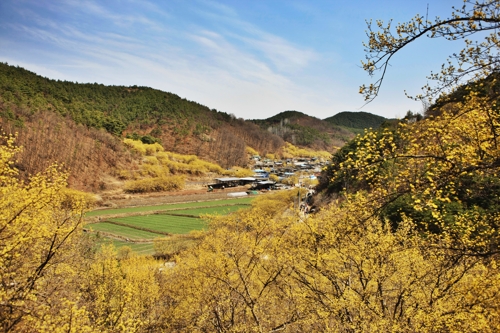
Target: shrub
{"points": [[143, 148], [240, 172], [154, 170], [187, 164], [167, 246], [292, 180], [124, 174], [70, 196], [137, 146], [151, 160], [293, 151], [271, 156], [274, 178], [251, 151], [153, 148]]}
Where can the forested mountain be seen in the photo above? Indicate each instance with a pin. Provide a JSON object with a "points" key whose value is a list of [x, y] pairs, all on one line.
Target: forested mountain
{"points": [[81, 125], [356, 120], [300, 129], [181, 124]]}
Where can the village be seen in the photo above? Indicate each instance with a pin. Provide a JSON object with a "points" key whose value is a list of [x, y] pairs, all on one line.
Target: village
{"points": [[273, 175]]}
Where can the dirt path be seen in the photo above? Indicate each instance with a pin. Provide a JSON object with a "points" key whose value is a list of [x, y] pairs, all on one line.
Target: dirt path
{"points": [[150, 199]]}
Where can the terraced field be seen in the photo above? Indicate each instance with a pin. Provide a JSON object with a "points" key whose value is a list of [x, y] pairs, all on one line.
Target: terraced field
{"points": [[167, 207], [138, 248], [208, 210], [173, 221], [162, 223], [118, 230]]}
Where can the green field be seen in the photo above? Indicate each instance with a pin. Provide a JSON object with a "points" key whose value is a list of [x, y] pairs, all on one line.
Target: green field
{"points": [[164, 223], [122, 231], [148, 227], [102, 212], [208, 210], [138, 248]]}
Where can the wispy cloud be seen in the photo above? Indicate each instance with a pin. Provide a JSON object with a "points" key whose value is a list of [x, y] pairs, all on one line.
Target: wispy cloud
{"points": [[203, 50], [282, 54], [230, 59]]}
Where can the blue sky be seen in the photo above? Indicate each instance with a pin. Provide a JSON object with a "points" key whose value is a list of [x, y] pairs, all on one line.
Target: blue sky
{"points": [[253, 59]]}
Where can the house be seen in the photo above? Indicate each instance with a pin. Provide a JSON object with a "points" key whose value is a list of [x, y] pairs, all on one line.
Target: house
{"points": [[247, 180], [261, 174], [263, 185], [225, 182]]}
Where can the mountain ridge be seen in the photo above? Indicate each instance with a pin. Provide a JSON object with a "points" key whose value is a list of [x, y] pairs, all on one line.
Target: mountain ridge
{"points": [[82, 126], [356, 119]]}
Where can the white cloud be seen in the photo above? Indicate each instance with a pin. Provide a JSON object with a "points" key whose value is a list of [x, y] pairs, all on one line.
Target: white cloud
{"points": [[283, 54], [216, 58]]}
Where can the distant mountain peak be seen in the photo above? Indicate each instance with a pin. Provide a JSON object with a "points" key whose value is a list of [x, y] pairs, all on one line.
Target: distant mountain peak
{"points": [[356, 119]]}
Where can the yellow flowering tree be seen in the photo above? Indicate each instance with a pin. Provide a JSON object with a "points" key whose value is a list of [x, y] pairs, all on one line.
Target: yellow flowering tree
{"points": [[122, 295], [341, 270], [478, 59], [40, 248], [434, 171]]}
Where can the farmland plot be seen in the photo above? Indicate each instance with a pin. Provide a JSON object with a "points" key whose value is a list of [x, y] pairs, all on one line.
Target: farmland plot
{"points": [[122, 232], [173, 220], [163, 223], [218, 210], [187, 205]]}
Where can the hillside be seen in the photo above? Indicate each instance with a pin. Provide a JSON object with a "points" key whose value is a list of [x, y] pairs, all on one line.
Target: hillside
{"points": [[356, 120], [182, 125], [303, 130], [82, 126], [488, 88]]}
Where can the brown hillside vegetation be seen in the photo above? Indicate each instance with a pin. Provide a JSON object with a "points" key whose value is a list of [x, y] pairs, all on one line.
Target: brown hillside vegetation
{"points": [[225, 144], [94, 156], [82, 126], [88, 153]]}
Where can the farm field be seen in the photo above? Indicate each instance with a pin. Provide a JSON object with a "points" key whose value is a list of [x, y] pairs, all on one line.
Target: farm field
{"points": [[163, 223], [172, 221], [137, 248], [186, 205], [208, 210], [122, 231]]}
